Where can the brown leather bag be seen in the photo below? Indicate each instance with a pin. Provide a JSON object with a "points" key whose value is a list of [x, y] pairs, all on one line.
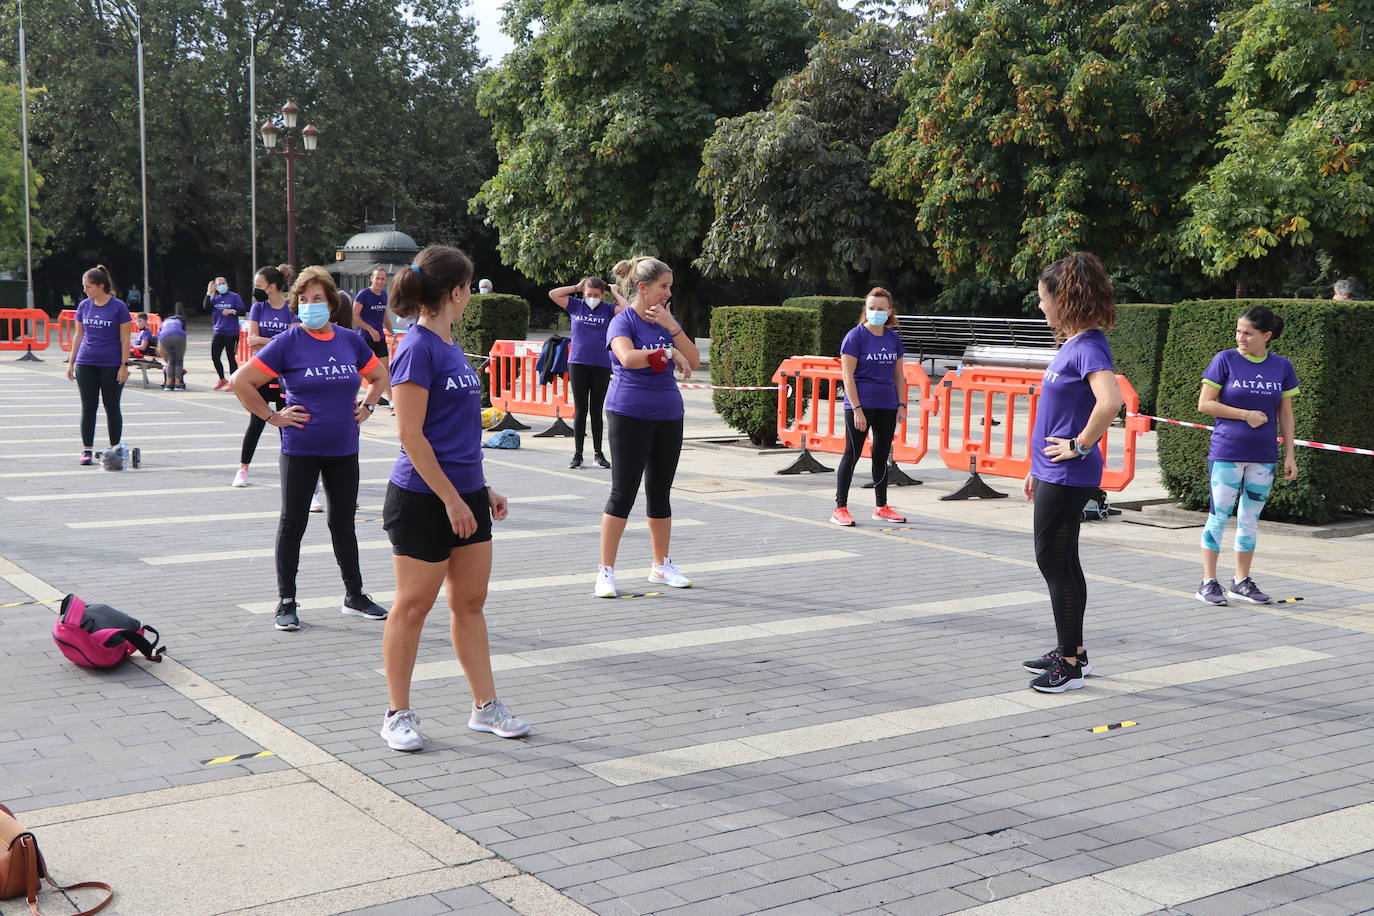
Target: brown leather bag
{"points": [[22, 869]]}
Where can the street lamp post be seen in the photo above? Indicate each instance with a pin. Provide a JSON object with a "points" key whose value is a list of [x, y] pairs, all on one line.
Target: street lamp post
{"points": [[310, 137]]}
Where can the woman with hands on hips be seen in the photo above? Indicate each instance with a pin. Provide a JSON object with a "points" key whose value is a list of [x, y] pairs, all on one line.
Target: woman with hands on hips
{"points": [[1079, 399], [439, 508]]}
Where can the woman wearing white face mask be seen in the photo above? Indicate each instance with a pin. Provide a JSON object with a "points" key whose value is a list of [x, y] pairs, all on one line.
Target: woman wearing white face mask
{"points": [[227, 308], [589, 362], [874, 397], [318, 362]]}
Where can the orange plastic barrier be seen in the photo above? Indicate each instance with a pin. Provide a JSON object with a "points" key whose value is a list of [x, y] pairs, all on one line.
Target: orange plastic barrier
{"points": [[25, 329], [393, 340], [243, 353], [66, 328], [515, 387], [811, 408], [1005, 401]]}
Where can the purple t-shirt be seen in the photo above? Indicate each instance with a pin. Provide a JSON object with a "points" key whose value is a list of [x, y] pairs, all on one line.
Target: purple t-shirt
{"points": [[271, 321], [227, 324], [1249, 385], [643, 393], [876, 355], [453, 419], [588, 346], [140, 338], [1066, 401], [374, 310], [100, 324], [320, 375], [172, 327]]}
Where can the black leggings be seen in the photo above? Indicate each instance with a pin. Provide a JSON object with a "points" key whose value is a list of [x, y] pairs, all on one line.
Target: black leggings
{"points": [[883, 423], [227, 344], [299, 473], [1058, 517], [272, 394], [96, 384], [645, 449], [589, 384]]}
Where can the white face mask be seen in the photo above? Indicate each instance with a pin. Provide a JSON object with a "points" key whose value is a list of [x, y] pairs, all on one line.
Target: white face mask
{"points": [[592, 303]]}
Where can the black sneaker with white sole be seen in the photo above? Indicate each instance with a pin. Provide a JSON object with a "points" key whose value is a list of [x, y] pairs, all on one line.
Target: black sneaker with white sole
{"points": [[286, 616], [1058, 677], [1041, 664], [363, 606]]}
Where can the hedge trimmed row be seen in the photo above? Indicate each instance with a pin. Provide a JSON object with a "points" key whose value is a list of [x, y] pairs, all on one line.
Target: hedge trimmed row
{"points": [[835, 316], [487, 319], [747, 344], [1330, 345], [1138, 347]]}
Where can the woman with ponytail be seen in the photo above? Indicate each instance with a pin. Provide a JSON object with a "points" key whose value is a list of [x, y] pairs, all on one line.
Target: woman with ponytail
{"points": [[589, 363], [269, 316], [439, 508], [644, 413], [100, 346], [1250, 391], [1079, 398]]}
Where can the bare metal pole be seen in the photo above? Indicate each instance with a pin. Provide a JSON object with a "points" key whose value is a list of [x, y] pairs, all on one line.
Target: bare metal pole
{"points": [[24, 131], [252, 152], [143, 166]]}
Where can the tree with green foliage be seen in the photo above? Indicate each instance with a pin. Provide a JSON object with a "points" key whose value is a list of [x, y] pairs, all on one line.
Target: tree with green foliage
{"points": [[1296, 171], [12, 184], [791, 185], [600, 113], [1038, 127]]}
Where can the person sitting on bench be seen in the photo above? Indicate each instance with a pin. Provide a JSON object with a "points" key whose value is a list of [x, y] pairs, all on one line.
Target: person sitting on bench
{"points": [[142, 345]]}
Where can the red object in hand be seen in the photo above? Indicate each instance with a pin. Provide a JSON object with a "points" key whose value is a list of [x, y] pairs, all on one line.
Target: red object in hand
{"points": [[658, 360]]}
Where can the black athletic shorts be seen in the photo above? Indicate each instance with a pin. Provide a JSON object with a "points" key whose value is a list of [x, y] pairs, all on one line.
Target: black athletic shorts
{"points": [[378, 347], [418, 524]]}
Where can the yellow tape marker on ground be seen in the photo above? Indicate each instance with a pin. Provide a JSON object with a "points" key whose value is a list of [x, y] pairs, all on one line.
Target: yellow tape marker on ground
{"points": [[22, 603], [1106, 728], [214, 760], [641, 595]]}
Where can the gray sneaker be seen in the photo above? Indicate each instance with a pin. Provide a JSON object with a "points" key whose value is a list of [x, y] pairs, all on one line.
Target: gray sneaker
{"points": [[1247, 590], [1210, 592], [401, 731], [497, 719]]}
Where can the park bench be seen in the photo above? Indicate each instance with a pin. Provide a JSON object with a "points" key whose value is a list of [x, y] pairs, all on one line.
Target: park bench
{"points": [[1019, 342]]}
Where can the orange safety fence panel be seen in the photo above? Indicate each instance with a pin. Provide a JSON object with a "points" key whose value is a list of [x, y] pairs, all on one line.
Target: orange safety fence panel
{"points": [[515, 384], [66, 328], [24, 329], [811, 408], [243, 353]]}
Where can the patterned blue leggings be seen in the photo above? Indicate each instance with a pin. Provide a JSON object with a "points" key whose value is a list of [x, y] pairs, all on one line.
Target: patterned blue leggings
{"points": [[1246, 482]]}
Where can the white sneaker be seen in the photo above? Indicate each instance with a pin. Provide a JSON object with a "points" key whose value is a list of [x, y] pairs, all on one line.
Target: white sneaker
{"points": [[668, 574], [316, 504], [241, 478], [605, 582], [401, 731]]}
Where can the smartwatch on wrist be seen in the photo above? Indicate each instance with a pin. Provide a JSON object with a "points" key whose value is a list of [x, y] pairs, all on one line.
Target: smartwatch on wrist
{"points": [[1080, 448], [369, 407]]}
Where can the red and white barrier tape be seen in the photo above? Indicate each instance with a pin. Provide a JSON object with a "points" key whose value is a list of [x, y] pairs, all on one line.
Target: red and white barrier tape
{"points": [[1348, 449], [731, 387]]}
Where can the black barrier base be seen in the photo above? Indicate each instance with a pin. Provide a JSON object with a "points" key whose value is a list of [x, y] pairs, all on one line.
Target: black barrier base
{"points": [[805, 464], [559, 428], [29, 357], [896, 477], [508, 422], [974, 488]]}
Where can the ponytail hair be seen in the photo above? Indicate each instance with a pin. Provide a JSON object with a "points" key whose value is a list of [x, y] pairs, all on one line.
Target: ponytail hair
{"points": [[282, 276], [100, 275], [644, 269], [421, 288], [1083, 292], [1264, 320]]}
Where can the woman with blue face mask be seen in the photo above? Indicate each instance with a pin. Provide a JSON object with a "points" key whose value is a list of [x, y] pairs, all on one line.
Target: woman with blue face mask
{"points": [[226, 308], [318, 363], [874, 397]]}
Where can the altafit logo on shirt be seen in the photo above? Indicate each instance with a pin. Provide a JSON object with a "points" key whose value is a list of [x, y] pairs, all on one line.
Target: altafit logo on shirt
{"points": [[882, 356], [461, 381], [328, 370], [1253, 385], [99, 322]]}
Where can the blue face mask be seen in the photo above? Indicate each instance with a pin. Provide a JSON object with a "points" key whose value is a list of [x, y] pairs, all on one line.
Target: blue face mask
{"points": [[314, 315], [876, 317], [222, 288]]}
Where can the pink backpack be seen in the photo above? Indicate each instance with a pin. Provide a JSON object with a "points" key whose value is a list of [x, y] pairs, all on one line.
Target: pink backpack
{"points": [[98, 636]]}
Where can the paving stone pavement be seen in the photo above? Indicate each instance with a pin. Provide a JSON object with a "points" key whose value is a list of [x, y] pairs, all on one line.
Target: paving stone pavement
{"points": [[845, 733]]}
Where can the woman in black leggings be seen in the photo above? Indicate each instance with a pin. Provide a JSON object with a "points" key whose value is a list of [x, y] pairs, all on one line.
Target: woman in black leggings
{"points": [[268, 317], [1079, 398], [589, 362], [226, 308], [100, 346], [644, 411]]}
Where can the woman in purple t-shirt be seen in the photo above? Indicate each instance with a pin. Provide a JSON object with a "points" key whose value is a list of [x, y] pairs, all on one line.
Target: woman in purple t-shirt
{"points": [[589, 362], [100, 345], [226, 308], [370, 319], [319, 363], [1079, 398], [874, 398], [644, 411], [269, 316], [1250, 392], [439, 509]]}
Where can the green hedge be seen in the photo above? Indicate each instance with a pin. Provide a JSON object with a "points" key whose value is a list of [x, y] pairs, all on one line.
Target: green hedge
{"points": [[488, 319], [747, 344], [835, 317], [1138, 347], [1329, 344]]}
